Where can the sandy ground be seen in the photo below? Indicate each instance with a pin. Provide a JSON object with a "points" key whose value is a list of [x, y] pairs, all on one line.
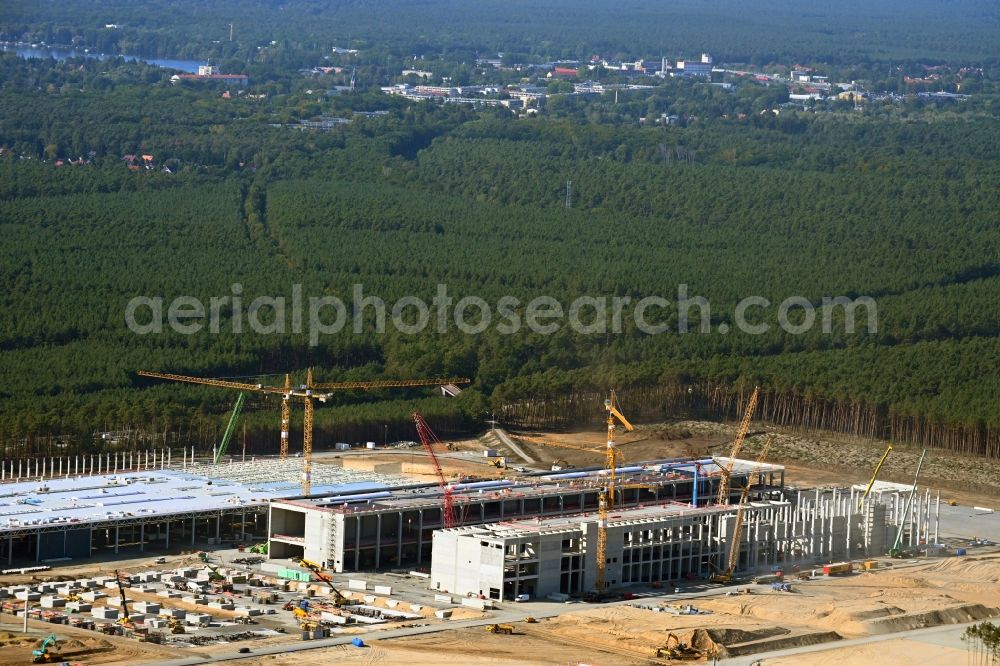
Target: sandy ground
{"points": [[884, 653], [76, 645], [462, 647]]}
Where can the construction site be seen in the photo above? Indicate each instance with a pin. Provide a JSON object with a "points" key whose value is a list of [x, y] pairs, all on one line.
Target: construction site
{"points": [[698, 547]]}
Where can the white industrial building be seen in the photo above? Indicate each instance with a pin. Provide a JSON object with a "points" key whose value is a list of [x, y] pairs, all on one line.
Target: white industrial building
{"points": [[671, 542]]}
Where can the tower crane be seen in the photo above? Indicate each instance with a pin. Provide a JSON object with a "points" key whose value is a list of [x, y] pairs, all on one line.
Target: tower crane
{"points": [[224, 444], [308, 393], [733, 558], [428, 439], [723, 496], [607, 498]]}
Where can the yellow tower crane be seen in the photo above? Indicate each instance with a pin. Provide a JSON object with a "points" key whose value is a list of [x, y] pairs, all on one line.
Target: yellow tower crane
{"points": [[607, 498], [732, 560], [878, 467], [308, 393], [741, 434]]}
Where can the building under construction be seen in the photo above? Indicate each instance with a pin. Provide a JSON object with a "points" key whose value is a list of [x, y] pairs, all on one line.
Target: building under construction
{"points": [[394, 527], [673, 542]]}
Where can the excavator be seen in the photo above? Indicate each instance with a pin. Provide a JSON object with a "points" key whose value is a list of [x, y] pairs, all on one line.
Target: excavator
{"points": [[41, 654], [338, 598], [674, 649]]}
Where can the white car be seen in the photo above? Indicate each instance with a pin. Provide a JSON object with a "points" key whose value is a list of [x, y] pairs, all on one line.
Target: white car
{"points": [[522, 597]]}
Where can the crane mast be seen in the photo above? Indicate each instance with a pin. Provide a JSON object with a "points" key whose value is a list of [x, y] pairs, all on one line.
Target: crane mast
{"points": [[733, 558], [606, 500]]}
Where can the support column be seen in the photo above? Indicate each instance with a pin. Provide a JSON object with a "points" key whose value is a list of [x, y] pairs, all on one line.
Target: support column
{"points": [[116, 539], [167, 544], [378, 538], [38, 547], [357, 540], [194, 527], [218, 527], [142, 537], [399, 540]]}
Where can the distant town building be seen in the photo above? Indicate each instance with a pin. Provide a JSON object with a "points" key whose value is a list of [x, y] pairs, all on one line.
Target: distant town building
{"points": [[230, 79], [207, 70], [706, 58], [692, 68], [419, 73]]}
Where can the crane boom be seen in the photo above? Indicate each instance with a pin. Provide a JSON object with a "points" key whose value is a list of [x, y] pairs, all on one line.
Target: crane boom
{"points": [[121, 591], [224, 444], [338, 597], [723, 495], [428, 438], [732, 560], [389, 383], [871, 483], [308, 393]]}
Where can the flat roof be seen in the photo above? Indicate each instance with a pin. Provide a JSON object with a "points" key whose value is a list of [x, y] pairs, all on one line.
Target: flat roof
{"points": [[567, 524], [657, 472], [78, 500]]}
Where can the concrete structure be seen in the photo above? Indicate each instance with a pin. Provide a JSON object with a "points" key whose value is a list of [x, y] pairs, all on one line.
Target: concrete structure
{"points": [[667, 543], [393, 527]]}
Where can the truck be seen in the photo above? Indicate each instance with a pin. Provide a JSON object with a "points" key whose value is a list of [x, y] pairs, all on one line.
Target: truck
{"points": [[838, 569], [500, 628]]}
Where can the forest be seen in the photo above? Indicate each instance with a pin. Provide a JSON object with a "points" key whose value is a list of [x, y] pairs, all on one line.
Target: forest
{"points": [[898, 204], [759, 32]]}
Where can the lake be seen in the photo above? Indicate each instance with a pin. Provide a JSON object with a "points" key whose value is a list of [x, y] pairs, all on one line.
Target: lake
{"points": [[27, 51]]}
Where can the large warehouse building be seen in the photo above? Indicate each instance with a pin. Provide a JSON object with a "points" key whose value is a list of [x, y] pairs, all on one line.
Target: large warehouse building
{"points": [[394, 527], [53, 511]]}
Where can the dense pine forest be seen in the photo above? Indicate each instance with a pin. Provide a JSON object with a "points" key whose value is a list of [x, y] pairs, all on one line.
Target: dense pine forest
{"points": [[898, 204]]}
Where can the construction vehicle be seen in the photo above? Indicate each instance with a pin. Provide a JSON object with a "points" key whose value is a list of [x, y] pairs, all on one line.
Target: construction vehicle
{"points": [[124, 619], [726, 575], [781, 586], [308, 393], [507, 629], [530, 620], [874, 475], [499, 463], [259, 549], [838, 568], [338, 598], [674, 649], [428, 439], [606, 499], [723, 495], [43, 653], [177, 627]]}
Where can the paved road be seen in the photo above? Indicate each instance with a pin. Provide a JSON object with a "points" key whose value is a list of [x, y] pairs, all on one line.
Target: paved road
{"points": [[966, 522], [949, 635]]}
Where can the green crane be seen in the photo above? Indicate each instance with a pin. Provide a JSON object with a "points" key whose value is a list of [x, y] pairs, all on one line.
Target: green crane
{"points": [[224, 444]]}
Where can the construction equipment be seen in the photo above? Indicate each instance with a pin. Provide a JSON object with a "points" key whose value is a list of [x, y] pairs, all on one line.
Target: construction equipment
{"points": [[530, 620], [606, 499], [499, 463], [727, 471], [176, 627], [674, 649], [338, 598], [507, 629], [260, 548], [308, 393], [124, 619], [428, 439], [228, 434], [871, 483], [897, 549], [42, 654], [726, 575]]}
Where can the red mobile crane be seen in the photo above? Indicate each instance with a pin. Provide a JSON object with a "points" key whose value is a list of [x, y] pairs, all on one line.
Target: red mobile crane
{"points": [[428, 439]]}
